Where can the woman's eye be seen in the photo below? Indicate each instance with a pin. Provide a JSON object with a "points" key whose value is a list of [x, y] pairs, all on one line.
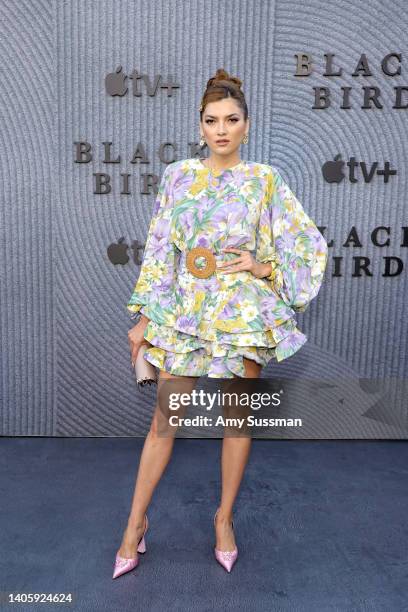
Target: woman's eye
{"points": [[234, 119]]}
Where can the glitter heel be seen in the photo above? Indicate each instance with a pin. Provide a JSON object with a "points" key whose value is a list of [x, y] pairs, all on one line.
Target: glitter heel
{"points": [[225, 557], [124, 564]]}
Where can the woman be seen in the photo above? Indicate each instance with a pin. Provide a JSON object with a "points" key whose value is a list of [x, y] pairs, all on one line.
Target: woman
{"points": [[207, 306]]}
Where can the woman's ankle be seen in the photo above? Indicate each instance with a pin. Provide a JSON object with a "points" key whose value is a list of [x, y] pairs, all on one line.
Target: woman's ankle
{"points": [[224, 516], [136, 522]]}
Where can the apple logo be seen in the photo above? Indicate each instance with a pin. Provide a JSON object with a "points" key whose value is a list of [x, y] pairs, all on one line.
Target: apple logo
{"points": [[117, 252], [333, 170], [115, 83]]}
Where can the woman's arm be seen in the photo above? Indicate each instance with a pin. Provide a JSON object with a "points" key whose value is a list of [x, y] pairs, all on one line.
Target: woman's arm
{"points": [[289, 241], [152, 295]]}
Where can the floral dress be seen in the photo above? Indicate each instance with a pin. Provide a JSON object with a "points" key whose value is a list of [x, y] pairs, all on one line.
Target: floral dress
{"points": [[206, 326]]}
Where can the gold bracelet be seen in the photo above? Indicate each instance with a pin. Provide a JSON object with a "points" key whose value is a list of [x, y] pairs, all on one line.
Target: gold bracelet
{"points": [[274, 265]]}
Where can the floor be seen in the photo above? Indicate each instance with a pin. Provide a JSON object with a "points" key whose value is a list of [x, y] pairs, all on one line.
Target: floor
{"points": [[320, 525]]}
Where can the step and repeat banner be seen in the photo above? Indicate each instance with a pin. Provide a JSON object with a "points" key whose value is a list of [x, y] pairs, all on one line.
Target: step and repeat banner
{"points": [[98, 97]]}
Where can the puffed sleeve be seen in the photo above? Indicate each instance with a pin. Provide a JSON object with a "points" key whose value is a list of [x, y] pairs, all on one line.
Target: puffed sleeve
{"points": [[153, 293], [291, 242]]}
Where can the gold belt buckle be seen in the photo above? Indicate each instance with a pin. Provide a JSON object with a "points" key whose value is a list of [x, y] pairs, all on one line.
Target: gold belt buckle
{"points": [[208, 256]]}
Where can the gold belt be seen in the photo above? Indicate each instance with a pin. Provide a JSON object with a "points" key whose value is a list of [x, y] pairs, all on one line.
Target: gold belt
{"points": [[208, 255]]}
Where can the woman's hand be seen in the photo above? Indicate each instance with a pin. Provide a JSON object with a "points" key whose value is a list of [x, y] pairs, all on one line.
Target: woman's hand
{"points": [[245, 261], [136, 338]]}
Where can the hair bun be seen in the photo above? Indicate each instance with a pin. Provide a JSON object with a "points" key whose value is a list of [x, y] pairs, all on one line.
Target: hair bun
{"points": [[222, 75], [223, 85]]}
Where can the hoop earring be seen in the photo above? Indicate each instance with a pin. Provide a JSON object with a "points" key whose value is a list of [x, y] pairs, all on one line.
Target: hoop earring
{"points": [[245, 139], [202, 142]]}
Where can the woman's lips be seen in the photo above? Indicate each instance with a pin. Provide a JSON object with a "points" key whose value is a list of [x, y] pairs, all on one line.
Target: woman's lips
{"points": [[222, 141]]}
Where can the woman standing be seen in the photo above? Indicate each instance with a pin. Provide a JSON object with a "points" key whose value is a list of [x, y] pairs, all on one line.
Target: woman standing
{"points": [[205, 305]]}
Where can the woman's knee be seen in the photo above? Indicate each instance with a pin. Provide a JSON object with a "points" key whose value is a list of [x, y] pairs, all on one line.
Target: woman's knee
{"points": [[160, 426], [154, 425]]}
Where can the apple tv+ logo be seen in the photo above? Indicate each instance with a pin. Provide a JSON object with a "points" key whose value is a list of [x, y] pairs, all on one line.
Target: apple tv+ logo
{"points": [[115, 83], [333, 171]]}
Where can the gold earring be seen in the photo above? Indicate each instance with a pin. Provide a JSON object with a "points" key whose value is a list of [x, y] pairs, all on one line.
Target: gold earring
{"points": [[245, 139], [202, 142]]}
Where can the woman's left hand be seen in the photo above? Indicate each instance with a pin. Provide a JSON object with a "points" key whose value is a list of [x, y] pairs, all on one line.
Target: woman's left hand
{"points": [[245, 261]]}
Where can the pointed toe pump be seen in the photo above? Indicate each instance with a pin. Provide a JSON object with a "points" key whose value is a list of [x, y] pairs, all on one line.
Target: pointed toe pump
{"points": [[123, 564], [225, 557]]}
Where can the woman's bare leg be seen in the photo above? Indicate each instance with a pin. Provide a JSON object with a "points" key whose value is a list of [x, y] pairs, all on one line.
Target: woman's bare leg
{"points": [[235, 454], [156, 453]]}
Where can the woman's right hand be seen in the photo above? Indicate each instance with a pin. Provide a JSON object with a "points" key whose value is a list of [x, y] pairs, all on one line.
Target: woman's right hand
{"points": [[136, 338]]}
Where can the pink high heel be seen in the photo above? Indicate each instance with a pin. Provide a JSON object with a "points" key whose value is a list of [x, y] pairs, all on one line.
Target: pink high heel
{"points": [[123, 564], [225, 557]]}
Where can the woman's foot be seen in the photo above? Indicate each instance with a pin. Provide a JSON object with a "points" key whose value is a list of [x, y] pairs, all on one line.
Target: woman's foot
{"points": [[225, 539], [131, 538]]}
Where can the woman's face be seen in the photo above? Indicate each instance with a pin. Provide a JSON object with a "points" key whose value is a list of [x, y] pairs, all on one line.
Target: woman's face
{"points": [[223, 119]]}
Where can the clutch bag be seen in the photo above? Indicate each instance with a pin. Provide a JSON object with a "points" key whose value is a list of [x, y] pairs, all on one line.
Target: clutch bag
{"points": [[145, 371]]}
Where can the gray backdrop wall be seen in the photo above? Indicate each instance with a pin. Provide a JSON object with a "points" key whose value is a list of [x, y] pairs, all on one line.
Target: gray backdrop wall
{"points": [[65, 367]]}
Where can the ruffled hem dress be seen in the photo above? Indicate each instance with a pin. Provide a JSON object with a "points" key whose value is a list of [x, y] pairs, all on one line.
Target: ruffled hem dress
{"points": [[206, 326]]}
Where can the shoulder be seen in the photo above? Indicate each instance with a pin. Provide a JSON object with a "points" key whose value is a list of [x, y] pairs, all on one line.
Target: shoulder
{"points": [[181, 165], [176, 169], [276, 180], [268, 170], [258, 167], [269, 173], [171, 168]]}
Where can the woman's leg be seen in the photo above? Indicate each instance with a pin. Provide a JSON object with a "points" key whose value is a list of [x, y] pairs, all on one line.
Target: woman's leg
{"points": [[234, 457], [155, 456]]}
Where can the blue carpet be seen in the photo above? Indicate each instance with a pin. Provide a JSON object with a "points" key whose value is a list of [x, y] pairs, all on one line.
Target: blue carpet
{"points": [[320, 525]]}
